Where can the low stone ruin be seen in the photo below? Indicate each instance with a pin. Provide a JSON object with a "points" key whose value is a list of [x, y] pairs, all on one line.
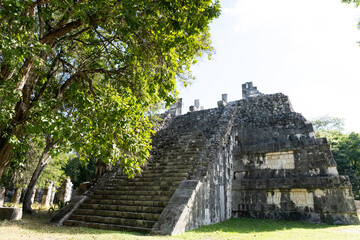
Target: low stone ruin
{"points": [[254, 157], [45, 196]]}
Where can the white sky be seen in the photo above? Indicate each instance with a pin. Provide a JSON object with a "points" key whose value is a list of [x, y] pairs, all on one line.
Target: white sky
{"points": [[306, 49]]}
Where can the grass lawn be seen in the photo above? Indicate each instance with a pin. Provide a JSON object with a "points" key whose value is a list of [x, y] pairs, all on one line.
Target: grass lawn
{"points": [[36, 227]]}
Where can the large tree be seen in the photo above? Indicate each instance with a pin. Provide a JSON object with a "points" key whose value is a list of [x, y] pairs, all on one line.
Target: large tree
{"points": [[85, 72]]}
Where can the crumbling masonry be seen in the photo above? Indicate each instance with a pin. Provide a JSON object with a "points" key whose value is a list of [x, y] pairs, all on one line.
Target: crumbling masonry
{"points": [[254, 157]]}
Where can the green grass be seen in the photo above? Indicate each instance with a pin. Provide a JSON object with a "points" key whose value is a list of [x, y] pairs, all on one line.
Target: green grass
{"points": [[37, 227]]}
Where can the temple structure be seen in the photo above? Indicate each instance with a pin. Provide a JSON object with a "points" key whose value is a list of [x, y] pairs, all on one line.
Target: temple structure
{"points": [[253, 157]]}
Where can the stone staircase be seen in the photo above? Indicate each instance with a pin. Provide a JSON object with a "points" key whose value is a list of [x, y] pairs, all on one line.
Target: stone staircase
{"points": [[136, 204]]}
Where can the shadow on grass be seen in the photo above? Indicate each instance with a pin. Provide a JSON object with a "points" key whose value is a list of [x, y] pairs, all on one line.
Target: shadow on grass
{"points": [[248, 225], [39, 222]]}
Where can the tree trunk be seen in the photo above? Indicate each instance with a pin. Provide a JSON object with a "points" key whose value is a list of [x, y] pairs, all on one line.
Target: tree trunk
{"points": [[43, 161], [5, 153], [22, 108]]}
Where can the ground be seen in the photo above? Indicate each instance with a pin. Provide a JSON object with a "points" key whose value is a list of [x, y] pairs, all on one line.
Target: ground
{"points": [[37, 227]]}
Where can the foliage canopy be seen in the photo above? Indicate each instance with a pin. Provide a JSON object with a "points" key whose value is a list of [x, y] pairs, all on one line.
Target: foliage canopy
{"points": [[85, 72]]}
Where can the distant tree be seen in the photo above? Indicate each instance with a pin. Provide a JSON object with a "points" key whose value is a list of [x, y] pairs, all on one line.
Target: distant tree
{"points": [[54, 171], [347, 155], [328, 123], [154, 115], [86, 72], [344, 147], [80, 171]]}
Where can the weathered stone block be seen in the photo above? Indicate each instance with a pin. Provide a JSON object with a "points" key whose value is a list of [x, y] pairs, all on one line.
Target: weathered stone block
{"points": [[47, 194], [66, 190], [2, 196], [10, 213], [83, 187]]}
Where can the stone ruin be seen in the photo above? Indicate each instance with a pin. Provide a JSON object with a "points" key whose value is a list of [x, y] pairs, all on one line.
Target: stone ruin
{"points": [[254, 157], [45, 196]]}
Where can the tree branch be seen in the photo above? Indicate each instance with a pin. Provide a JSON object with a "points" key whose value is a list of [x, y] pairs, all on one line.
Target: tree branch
{"points": [[73, 35], [80, 73], [43, 88], [41, 2], [25, 72], [58, 32], [65, 85]]}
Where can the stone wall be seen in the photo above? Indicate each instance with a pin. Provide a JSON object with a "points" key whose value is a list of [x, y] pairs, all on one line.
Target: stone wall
{"points": [[282, 171]]}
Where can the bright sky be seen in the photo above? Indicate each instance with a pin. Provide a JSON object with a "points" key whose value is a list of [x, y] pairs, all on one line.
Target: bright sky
{"points": [[306, 49]]}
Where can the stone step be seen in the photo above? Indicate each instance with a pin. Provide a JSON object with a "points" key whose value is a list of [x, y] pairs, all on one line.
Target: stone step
{"points": [[189, 142], [120, 202], [188, 136], [164, 169], [174, 160], [159, 198], [151, 174], [172, 154], [187, 146], [129, 208], [137, 188], [134, 192], [118, 214], [113, 220], [167, 168], [154, 180], [114, 227], [158, 178], [166, 162], [117, 182], [176, 164], [168, 171]]}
